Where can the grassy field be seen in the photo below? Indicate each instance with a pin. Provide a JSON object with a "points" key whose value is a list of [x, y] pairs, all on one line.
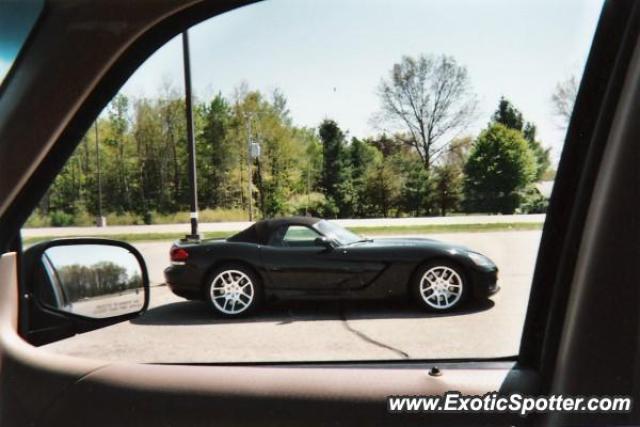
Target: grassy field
{"points": [[368, 231], [84, 219]]}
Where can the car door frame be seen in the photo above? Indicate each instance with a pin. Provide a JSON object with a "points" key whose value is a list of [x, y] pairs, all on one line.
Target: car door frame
{"points": [[350, 392]]}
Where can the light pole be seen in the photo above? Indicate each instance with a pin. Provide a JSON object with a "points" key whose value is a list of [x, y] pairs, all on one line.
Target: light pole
{"points": [[101, 221], [306, 210], [249, 177], [191, 149], [253, 152]]}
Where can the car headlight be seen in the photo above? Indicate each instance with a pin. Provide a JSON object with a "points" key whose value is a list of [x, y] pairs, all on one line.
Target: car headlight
{"points": [[480, 260]]}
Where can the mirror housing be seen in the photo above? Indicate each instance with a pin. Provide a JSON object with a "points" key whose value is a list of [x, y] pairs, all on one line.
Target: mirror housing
{"points": [[76, 285], [323, 241]]}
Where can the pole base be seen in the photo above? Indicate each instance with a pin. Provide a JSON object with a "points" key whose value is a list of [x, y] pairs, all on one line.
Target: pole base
{"points": [[195, 238]]}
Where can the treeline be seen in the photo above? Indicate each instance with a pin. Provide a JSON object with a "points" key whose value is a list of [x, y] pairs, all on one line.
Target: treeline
{"points": [[143, 166], [104, 278], [411, 171], [385, 176], [142, 151]]}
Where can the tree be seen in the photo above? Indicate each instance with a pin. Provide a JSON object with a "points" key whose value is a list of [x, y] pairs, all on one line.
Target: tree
{"points": [[216, 155], [119, 125], [448, 186], [278, 171], [428, 98], [500, 167], [336, 176], [564, 98], [311, 171], [383, 187], [147, 132], [508, 115], [458, 152], [447, 176], [542, 155], [386, 145], [172, 150], [416, 196], [362, 157]]}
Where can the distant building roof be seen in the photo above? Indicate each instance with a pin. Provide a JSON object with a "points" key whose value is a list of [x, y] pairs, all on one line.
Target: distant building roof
{"points": [[544, 187]]}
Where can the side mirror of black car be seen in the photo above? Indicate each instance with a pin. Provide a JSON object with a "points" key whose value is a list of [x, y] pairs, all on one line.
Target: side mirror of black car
{"points": [[78, 285], [324, 242]]}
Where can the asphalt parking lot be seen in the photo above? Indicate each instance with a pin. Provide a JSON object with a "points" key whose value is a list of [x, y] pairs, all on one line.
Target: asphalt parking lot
{"points": [[178, 331]]}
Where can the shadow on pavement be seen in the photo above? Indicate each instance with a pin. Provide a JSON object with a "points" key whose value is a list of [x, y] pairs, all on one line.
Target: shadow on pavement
{"points": [[199, 313]]}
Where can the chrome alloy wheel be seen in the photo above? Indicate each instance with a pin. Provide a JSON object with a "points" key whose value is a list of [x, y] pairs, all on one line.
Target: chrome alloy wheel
{"points": [[441, 287], [232, 292]]}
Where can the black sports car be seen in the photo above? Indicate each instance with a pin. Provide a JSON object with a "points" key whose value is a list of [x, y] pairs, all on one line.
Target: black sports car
{"points": [[307, 258]]}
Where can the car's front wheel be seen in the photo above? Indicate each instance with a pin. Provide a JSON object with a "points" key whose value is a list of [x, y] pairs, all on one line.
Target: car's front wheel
{"points": [[440, 286], [233, 291]]}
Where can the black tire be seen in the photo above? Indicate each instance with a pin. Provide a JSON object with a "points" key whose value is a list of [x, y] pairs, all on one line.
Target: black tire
{"points": [[451, 296], [232, 301]]}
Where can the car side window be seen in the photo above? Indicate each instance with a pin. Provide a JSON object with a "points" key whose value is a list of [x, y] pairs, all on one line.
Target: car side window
{"points": [[277, 236], [426, 153], [299, 236]]}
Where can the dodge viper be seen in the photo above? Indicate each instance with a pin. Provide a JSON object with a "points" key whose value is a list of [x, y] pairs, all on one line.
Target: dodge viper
{"points": [[311, 258]]}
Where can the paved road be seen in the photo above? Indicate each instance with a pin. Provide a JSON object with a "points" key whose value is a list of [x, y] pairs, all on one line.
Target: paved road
{"points": [[174, 330], [241, 225]]}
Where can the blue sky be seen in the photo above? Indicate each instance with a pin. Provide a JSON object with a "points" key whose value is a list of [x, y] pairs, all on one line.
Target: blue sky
{"points": [[4, 67], [89, 254], [328, 56]]}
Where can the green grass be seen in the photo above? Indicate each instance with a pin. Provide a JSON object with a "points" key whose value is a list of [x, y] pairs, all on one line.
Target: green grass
{"points": [[446, 228], [369, 231], [133, 237], [84, 219]]}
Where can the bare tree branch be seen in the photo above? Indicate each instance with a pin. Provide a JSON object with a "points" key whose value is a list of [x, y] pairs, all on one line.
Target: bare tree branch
{"points": [[428, 97], [564, 98]]}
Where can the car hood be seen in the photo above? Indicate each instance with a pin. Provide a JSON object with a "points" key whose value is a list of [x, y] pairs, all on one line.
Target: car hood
{"points": [[412, 242]]}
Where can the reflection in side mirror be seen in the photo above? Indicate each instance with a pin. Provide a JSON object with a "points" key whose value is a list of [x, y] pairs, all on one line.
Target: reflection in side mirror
{"points": [[93, 280], [324, 242]]}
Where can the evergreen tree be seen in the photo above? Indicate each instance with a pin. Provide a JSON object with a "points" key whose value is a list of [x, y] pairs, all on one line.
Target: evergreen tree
{"points": [[509, 116], [500, 167], [336, 173], [216, 156]]}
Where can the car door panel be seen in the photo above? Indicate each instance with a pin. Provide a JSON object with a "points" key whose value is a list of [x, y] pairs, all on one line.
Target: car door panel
{"points": [[369, 265], [80, 392], [308, 268]]}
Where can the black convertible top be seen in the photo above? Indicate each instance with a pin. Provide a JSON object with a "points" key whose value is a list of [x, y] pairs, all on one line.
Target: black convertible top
{"points": [[260, 232]]}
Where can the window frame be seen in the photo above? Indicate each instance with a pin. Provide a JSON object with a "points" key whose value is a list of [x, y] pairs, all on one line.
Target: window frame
{"points": [[601, 63], [283, 240], [68, 388]]}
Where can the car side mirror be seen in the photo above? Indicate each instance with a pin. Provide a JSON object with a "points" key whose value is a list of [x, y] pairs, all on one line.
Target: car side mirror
{"points": [[323, 241], [77, 285]]}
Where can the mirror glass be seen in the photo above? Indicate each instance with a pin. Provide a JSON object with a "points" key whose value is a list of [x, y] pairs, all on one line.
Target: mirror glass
{"points": [[93, 280]]}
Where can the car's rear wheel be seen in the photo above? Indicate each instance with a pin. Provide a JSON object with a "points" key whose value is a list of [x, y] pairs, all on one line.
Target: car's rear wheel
{"points": [[233, 291], [440, 286]]}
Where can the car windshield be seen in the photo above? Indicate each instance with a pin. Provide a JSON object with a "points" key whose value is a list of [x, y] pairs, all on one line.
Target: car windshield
{"points": [[337, 233]]}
